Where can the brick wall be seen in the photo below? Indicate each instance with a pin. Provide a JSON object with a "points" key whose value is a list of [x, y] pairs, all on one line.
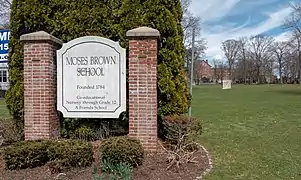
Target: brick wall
{"points": [[143, 86], [204, 70], [41, 118], [40, 114]]}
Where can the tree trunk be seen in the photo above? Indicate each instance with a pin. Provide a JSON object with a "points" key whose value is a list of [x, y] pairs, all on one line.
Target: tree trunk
{"points": [[258, 75], [299, 65], [280, 73], [250, 78], [230, 73], [245, 71]]}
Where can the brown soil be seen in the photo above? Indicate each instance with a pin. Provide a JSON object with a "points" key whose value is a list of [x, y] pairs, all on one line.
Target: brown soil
{"points": [[153, 168]]}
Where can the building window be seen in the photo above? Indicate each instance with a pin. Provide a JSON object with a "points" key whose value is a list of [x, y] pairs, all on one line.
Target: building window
{"points": [[3, 76]]}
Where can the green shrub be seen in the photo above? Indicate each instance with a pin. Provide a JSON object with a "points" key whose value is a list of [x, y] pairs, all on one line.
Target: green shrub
{"points": [[177, 126], [84, 133], [86, 129], [71, 153], [9, 132], [122, 149], [71, 19], [26, 154], [63, 153]]}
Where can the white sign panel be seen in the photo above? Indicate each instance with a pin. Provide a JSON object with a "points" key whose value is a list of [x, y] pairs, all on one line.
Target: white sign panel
{"points": [[227, 84], [91, 78]]}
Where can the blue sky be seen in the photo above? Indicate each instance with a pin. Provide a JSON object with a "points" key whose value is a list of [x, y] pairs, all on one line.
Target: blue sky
{"points": [[227, 19]]}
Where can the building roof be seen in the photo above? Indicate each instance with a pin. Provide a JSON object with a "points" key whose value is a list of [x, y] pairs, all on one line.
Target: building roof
{"points": [[206, 62]]}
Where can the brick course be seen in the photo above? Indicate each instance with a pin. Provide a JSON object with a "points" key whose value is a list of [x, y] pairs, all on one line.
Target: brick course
{"points": [[40, 114], [143, 102], [41, 117]]}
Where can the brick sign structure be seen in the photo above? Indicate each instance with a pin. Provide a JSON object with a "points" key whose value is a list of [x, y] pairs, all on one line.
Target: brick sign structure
{"points": [[40, 114], [143, 85], [105, 59]]}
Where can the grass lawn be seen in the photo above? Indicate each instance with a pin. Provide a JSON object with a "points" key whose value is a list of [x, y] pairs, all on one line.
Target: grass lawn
{"points": [[3, 110], [252, 132]]}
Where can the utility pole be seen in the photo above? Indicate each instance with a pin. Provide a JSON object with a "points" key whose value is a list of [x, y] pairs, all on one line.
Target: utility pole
{"points": [[191, 66]]}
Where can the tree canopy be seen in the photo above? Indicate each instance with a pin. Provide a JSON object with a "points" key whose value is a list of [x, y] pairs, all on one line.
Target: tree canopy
{"points": [[70, 19]]}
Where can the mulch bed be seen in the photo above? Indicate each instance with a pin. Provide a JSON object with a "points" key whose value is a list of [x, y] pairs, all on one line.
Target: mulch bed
{"points": [[153, 168]]}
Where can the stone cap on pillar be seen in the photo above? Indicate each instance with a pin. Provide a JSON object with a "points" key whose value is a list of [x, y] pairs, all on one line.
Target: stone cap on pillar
{"points": [[40, 36], [143, 32]]}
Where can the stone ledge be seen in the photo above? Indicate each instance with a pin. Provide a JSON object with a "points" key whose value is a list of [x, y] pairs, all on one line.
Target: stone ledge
{"points": [[40, 36], [143, 32]]}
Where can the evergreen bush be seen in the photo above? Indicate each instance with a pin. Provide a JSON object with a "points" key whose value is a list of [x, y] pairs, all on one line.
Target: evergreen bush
{"points": [[70, 19], [71, 153], [64, 153], [123, 149], [26, 154]]}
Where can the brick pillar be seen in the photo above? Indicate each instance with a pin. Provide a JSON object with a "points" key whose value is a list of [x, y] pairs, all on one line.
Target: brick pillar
{"points": [[40, 114], [143, 85]]}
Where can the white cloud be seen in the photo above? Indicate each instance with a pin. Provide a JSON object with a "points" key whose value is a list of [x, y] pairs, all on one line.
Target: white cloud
{"points": [[249, 5], [285, 36], [216, 34], [210, 10]]}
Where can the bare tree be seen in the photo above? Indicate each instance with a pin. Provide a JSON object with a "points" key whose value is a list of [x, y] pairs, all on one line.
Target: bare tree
{"points": [[4, 12], [219, 69], [215, 67], [243, 45], [190, 22], [293, 22], [280, 49], [260, 48], [231, 49], [222, 70]]}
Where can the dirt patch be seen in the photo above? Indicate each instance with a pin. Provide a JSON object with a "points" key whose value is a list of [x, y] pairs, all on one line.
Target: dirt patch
{"points": [[153, 168]]}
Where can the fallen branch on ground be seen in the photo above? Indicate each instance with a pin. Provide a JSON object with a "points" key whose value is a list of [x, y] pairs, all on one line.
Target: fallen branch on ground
{"points": [[180, 154]]}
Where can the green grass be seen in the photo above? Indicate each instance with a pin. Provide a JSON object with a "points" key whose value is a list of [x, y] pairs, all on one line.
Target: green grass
{"points": [[3, 110], [252, 132]]}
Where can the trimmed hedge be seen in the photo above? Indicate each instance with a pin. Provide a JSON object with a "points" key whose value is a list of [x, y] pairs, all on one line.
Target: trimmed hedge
{"points": [[71, 153], [123, 149], [65, 153], [26, 154]]}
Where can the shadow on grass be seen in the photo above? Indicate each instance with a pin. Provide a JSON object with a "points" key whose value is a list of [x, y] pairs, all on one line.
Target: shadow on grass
{"points": [[287, 92]]}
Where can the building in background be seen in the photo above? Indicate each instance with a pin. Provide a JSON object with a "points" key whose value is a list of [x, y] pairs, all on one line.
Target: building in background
{"points": [[4, 41], [206, 73]]}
